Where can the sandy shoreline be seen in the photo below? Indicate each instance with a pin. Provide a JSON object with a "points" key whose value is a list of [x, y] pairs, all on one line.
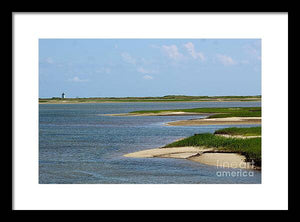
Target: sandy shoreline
{"points": [[204, 155], [196, 122], [157, 114], [217, 121], [208, 156], [178, 152]]}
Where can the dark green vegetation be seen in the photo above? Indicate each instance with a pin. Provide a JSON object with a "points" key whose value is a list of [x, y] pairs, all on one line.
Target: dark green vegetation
{"points": [[251, 131], [216, 112], [249, 147], [168, 98]]}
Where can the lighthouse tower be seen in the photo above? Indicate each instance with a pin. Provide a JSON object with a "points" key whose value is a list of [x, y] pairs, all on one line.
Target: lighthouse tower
{"points": [[63, 95]]}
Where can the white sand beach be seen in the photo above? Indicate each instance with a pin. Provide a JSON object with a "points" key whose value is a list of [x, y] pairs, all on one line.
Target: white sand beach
{"points": [[217, 121], [199, 154]]}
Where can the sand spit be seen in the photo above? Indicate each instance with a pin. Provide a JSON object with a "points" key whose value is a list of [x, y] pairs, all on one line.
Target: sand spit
{"points": [[224, 160], [157, 114], [179, 152], [196, 122], [217, 121], [202, 155]]}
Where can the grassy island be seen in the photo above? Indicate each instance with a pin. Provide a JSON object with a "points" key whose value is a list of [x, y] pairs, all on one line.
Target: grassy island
{"points": [[214, 116], [213, 112], [249, 147]]}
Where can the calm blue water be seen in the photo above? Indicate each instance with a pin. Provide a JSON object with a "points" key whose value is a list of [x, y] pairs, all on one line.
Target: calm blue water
{"points": [[79, 145]]}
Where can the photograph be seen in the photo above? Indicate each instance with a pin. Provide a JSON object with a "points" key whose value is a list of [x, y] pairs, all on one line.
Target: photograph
{"points": [[150, 111]]}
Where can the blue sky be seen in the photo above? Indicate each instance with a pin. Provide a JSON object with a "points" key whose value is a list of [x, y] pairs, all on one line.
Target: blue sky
{"points": [[149, 67]]}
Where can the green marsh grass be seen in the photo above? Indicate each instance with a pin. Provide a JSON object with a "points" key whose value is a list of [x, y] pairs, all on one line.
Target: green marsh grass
{"points": [[215, 112], [249, 131], [249, 147]]}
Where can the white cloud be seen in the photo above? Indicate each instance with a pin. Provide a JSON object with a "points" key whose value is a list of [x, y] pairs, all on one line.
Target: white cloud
{"points": [[138, 63], [128, 58], [145, 71], [142, 70], [191, 49], [226, 60], [172, 51], [77, 79], [147, 77]]}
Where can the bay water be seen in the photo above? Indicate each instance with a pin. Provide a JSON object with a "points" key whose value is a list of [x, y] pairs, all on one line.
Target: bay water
{"points": [[80, 145]]}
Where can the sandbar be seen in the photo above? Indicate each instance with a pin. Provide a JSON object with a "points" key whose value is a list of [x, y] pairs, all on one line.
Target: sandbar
{"points": [[208, 156], [217, 121], [156, 114]]}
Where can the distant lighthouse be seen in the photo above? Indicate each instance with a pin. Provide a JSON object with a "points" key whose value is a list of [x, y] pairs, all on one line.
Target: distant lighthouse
{"points": [[63, 95]]}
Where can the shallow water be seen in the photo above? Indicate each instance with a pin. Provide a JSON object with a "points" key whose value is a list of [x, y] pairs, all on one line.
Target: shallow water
{"points": [[79, 145]]}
